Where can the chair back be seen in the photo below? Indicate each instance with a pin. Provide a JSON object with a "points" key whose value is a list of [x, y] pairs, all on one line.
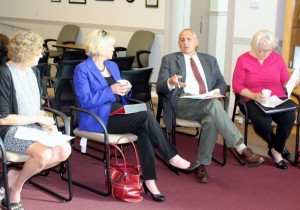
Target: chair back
{"points": [[45, 57], [65, 69], [67, 33], [73, 55], [124, 63], [65, 96], [139, 79], [42, 68], [3, 48], [140, 40]]}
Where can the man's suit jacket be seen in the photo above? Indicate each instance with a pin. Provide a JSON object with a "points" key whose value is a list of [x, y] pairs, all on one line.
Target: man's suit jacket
{"points": [[175, 64], [94, 94]]}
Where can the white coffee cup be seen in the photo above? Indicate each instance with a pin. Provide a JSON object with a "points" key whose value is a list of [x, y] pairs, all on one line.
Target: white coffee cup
{"points": [[122, 81], [266, 93]]}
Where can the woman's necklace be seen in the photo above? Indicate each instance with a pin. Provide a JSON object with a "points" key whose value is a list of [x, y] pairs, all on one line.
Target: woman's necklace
{"points": [[102, 70]]}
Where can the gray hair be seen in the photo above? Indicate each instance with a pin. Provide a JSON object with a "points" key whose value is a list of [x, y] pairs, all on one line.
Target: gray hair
{"points": [[188, 29], [264, 35]]}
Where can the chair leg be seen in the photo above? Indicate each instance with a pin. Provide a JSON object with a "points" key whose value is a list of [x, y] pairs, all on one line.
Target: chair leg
{"points": [[223, 162], [107, 191], [245, 134], [5, 183], [296, 146], [65, 167]]}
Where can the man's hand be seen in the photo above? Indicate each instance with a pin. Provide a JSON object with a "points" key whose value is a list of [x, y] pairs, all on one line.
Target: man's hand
{"points": [[174, 81]]}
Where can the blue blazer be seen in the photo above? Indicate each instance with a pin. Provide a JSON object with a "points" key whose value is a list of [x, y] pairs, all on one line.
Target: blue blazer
{"points": [[94, 94]]}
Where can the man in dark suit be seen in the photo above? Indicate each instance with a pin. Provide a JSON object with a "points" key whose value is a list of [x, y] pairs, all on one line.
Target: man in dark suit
{"points": [[179, 76]]}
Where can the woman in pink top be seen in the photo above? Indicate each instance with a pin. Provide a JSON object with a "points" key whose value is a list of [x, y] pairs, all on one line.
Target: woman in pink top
{"points": [[262, 68]]}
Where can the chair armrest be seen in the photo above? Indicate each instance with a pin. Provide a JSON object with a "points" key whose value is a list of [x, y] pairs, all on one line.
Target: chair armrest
{"points": [[138, 54], [3, 153], [118, 49], [46, 43], [162, 99], [134, 101], [297, 96], [242, 101], [64, 118], [226, 98], [96, 117], [68, 42]]}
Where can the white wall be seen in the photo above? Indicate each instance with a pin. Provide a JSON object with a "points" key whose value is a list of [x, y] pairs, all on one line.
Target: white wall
{"points": [[115, 13], [122, 19], [245, 18], [117, 17]]}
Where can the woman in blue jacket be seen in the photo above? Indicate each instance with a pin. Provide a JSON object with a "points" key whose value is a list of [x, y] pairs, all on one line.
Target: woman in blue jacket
{"points": [[97, 90]]}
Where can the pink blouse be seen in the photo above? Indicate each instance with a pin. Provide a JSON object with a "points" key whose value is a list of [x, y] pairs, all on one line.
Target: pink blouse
{"points": [[249, 73]]}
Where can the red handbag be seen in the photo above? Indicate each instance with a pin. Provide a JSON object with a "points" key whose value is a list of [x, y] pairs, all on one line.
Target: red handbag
{"points": [[125, 178]]}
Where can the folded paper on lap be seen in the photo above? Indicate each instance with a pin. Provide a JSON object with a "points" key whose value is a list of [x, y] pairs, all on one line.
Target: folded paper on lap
{"points": [[50, 140]]}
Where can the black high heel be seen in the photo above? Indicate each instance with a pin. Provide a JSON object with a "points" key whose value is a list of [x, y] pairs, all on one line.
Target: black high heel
{"points": [[192, 168], [281, 164], [155, 197]]}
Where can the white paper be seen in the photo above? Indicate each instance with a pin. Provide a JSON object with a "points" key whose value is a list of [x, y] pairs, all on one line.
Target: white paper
{"points": [[292, 82], [273, 102], [50, 140], [208, 95]]}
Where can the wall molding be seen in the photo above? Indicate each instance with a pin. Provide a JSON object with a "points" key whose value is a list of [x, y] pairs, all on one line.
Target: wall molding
{"points": [[7, 22], [217, 13], [246, 41], [241, 40]]}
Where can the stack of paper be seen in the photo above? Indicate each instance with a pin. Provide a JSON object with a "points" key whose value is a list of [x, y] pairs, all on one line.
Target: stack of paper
{"points": [[209, 95]]}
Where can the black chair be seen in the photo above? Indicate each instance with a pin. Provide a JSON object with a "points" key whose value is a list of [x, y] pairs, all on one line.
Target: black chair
{"points": [[141, 87], [67, 55], [55, 96], [240, 102], [43, 68], [3, 55], [64, 97], [68, 34], [139, 45], [3, 48], [105, 139], [64, 69], [73, 55], [124, 63], [12, 159], [163, 101]]}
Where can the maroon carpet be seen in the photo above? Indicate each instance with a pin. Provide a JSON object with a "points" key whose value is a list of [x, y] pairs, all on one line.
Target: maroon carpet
{"points": [[231, 187]]}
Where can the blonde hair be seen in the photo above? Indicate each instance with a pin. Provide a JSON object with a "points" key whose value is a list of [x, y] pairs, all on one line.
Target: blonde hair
{"points": [[97, 41], [264, 35], [24, 46]]}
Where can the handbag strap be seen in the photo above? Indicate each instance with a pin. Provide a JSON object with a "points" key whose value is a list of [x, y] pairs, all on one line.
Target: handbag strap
{"points": [[136, 153], [123, 156], [121, 153]]}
